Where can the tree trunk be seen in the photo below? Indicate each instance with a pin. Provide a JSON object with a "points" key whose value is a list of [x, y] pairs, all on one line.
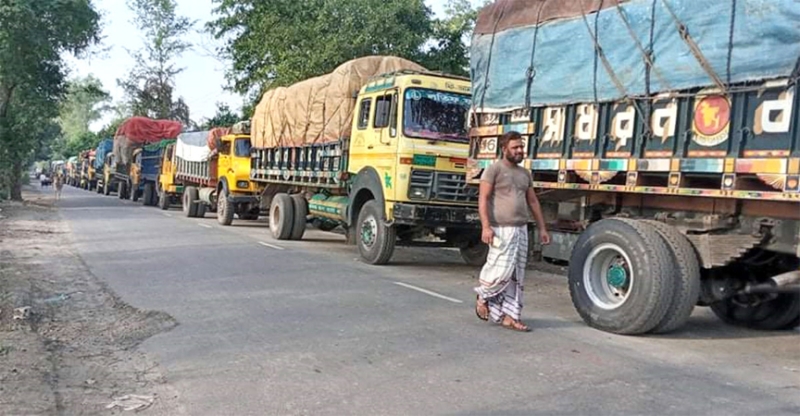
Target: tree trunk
{"points": [[16, 181]]}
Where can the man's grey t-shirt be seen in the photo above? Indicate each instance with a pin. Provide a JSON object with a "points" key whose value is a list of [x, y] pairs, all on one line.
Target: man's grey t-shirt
{"points": [[508, 204]]}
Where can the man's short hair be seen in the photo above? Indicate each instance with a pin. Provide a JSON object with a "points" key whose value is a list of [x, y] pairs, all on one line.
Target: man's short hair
{"points": [[507, 137]]}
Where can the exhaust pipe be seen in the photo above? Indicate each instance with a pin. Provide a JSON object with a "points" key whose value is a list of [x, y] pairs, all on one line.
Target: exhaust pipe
{"points": [[788, 282]]}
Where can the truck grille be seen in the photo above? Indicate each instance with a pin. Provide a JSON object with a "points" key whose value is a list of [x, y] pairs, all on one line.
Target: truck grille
{"points": [[443, 186]]}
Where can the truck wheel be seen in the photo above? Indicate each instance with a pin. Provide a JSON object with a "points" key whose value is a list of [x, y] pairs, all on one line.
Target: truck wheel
{"points": [[687, 277], [224, 208], [190, 195], [281, 216], [133, 193], [148, 195], [475, 254], [163, 200], [763, 312], [200, 209], [376, 240], [121, 190], [300, 213], [620, 276]]}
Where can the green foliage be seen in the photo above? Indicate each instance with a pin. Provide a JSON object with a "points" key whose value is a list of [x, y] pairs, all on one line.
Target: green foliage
{"points": [[84, 103], [150, 85], [279, 42], [32, 82], [224, 117]]}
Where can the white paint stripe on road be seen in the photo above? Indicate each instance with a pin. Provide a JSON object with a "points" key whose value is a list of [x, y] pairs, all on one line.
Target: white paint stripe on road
{"points": [[270, 245], [167, 215], [428, 292], [205, 225]]}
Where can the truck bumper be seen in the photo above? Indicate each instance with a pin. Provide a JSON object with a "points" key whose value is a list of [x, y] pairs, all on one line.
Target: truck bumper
{"points": [[435, 215]]}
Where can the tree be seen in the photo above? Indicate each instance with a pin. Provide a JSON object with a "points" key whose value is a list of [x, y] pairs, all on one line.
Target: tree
{"points": [[32, 83], [150, 85], [279, 42], [224, 117], [451, 38], [84, 103]]}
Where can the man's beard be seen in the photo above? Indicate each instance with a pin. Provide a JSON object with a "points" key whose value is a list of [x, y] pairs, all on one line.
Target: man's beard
{"points": [[514, 159]]}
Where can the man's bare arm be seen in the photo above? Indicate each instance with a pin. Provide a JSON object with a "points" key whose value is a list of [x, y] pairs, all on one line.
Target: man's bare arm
{"points": [[486, 189]]}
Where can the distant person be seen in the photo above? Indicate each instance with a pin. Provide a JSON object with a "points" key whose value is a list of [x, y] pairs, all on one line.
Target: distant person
{"points": [[506, 199], [43, 181], [58, 185]]}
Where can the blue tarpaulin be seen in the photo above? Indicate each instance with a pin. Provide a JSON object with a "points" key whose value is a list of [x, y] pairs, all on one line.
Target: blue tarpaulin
{"points": [[102, 150], [766, 45]]}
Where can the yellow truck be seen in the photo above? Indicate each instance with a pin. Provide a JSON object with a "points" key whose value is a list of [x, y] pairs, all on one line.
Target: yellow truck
{"points": [[384, 157]]}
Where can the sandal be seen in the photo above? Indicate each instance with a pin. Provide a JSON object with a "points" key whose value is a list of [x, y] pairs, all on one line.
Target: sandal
{"points": [[515, 325], [481, 308]]}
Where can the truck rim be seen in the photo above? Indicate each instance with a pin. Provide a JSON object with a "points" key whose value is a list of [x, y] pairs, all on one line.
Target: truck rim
{"points": [[369, 229], [607, 276]]}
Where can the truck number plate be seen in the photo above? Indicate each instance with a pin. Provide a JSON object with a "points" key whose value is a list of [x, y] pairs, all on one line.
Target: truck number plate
{"points": [[487, 148]]}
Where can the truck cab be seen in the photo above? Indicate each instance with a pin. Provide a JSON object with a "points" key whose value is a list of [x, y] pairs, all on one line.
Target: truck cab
{"points": [[235, 193]]}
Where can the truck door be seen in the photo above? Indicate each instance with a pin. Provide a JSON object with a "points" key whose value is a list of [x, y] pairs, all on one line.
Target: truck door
{"points": [[224, 162]]}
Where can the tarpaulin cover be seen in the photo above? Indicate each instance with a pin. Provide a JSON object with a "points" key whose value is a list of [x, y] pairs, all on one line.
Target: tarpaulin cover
{"points": [[193, 147], [319, 109], [215, 134], [102, 150], [507, 14], [508, 73], [137, 131]]}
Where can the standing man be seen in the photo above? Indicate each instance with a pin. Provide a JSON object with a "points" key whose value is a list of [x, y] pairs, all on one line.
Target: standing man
{"points": [[506, 201], [58, 185]]}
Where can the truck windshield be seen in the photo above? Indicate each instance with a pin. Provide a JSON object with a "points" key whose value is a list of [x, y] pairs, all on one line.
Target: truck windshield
{"points": [[242, 148], [435, 115]]}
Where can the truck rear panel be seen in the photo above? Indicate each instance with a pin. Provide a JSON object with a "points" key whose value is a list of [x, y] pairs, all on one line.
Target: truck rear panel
{"points": [[695, 144], [316, 165]]}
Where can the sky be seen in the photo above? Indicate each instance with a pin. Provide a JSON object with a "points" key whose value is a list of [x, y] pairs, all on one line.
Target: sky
{"points": [[202, 82]]}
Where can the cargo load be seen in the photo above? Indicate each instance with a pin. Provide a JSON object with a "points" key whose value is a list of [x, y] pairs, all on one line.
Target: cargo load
{"points": [[138, 131], [517, 63], [102, 150], [318, 110]]}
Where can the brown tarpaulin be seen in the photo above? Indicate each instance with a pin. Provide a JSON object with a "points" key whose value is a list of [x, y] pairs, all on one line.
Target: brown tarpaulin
{"points": [[215, 134], [319, 109], [507, 14]]}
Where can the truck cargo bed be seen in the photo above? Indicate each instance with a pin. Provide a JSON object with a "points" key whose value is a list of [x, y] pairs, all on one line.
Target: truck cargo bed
{"points": [[318, 165]]}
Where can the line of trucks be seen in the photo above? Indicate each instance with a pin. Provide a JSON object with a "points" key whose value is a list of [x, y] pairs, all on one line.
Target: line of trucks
{"points": [[668, 166]]}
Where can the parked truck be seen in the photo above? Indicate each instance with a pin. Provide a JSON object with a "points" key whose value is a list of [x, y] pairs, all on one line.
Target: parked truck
{"points": [[664, 146], [97, 168], [144, 172], [131, 136], [379, 147], [189, 174], [72, 172], [85, 162]]}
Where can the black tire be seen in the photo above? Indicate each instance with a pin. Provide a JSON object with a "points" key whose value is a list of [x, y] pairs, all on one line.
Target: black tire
{"points": [[225, 208], [189, 197], [782, 312], [281, 216], [375, 239], [300, 213], [687, 278], [121, 191], [149, 194], [474, 254], [641, 291], [133, 193], [163, 200], [200, 210]]}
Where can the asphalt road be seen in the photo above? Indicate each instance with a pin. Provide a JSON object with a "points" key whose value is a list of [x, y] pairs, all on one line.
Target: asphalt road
{"points": [[275, 327]]}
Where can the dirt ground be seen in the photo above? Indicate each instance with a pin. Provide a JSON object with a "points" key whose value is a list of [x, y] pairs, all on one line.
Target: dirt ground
{"points": [[74, 351]]}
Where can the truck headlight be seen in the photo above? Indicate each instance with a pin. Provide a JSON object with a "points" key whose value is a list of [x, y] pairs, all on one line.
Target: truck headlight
{"points": [[242, 184], [417, 193]]}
